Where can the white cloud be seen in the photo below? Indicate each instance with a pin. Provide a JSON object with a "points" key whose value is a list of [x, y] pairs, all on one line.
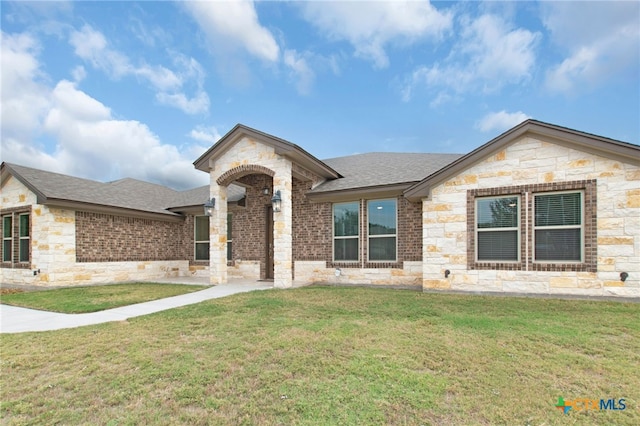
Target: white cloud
{"points": [[601, 40], [88, 141], [92, 46], [22, 89], [234, 24], [369, 27], [500, 121], [209, 135], [79, 73], [300, 71], [93, 143], [489, 54]]}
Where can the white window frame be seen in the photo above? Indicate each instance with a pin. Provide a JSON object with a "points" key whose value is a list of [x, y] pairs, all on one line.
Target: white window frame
{"points": [[196, 241], [581, 227], [369, 236], [505, 229], [346, 237]]}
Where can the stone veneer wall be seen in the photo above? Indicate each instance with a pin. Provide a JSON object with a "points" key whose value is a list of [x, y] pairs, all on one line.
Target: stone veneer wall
{"points": [[245, 157], [53, 250], [537, 164]]}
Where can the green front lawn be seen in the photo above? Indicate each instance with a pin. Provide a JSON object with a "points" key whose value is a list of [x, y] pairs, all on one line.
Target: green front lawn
{"points": [[326, 356], [76, 300]]}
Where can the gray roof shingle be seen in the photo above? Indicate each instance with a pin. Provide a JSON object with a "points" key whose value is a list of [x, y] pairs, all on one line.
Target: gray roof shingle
{"points": [[125, 193], [358, 171], [382, 168]]}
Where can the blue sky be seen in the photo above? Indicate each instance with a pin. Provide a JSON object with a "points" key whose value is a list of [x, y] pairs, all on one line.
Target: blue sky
{"points": [[106, 90]]}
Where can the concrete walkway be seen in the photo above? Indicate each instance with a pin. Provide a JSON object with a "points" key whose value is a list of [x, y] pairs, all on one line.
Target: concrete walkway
{"points": [[19, 320]]}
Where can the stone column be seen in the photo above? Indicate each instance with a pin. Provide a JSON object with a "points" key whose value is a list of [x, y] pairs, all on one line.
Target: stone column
{"points": [[282, 229], [218, 235]]}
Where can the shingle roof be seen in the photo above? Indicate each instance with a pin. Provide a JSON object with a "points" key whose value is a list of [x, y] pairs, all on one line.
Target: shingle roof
{"points": [[382, 168], [125, 193]]}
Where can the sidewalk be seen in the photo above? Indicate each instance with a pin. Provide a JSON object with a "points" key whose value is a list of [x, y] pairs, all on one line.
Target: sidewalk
{"points": [[19, 320]]}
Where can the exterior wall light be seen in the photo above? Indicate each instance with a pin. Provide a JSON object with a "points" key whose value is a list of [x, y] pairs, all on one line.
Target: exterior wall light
{"points": [[208, 207], [276, 201], [266, 190]]}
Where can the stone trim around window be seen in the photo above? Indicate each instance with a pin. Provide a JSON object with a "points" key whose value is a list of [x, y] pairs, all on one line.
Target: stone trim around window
{"points": [[15, 238], [526, 192]]}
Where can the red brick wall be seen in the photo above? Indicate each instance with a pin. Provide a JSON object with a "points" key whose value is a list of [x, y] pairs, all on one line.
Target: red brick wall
{"points": [[249, 223], [312, 225], [312, 228], [109, 238]]}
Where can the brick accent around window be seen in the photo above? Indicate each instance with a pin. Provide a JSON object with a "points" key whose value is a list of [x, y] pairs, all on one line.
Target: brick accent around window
{"points": [[526, 192]]}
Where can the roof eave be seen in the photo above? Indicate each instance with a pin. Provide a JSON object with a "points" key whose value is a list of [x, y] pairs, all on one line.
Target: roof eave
{"points": [[367, 193], [7, 170], [112, 210], [281, 147], [593, 144]]}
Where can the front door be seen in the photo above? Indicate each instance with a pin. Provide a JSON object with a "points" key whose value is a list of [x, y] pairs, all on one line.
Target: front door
{"points": [[269, 244]]}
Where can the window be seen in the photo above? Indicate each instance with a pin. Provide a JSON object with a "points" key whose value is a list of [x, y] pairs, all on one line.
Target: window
{"points": [[540, 227], [558, 227], [382, 230], [7, 235], [497, 229], [346, 221], [229, 236], [24, 240], [202, 238]]}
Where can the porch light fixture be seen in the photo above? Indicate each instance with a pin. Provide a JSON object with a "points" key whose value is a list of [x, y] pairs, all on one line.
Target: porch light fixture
{"points": [[276, 201], [208, 207]]}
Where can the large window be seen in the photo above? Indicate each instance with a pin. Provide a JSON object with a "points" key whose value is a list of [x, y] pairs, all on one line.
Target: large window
{"points": [[346, 221], [497, 229], [540, 227], [558, 227], [202, 238], [382, 230], [7, 238]]}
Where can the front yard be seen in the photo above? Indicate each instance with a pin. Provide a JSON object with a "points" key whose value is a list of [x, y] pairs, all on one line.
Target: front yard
{"points": [[324, 355]]}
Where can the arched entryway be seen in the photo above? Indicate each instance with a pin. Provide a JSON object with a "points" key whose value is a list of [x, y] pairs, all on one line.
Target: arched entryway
{"points": [[253, 236]]}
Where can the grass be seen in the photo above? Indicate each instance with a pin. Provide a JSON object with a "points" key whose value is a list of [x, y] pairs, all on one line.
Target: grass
{"points": [[78, 300], [325, 356]]}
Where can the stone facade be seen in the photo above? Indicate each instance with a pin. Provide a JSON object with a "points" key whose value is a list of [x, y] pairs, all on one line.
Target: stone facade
{"points": [[243, 158], [54, 246], [611, 221]]}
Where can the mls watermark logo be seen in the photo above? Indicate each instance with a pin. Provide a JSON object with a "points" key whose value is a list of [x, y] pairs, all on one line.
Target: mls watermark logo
{"points": [[587, 404]]}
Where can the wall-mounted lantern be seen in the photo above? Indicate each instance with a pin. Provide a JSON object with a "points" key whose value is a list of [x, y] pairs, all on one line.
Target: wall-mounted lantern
{"points": [[209, 206], [276, 201]]}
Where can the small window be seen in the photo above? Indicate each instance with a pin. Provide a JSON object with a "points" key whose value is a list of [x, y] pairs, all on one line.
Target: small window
{"points": [[346, 224], [497, 229], [7, 233], [382, 230], [202, 238], [24, 239], [558, 230]]}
